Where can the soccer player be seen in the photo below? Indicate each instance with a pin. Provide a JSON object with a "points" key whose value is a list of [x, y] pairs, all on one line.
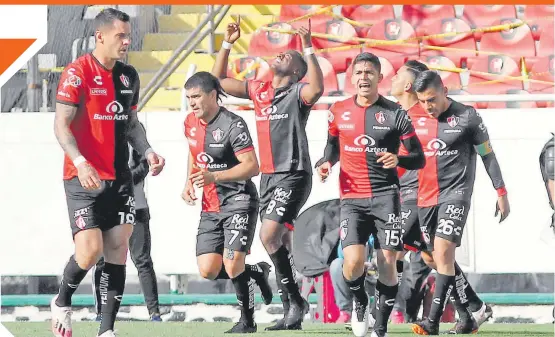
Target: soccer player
{"points": [[402, 87], [282, 108], [139, 243], [222, 162], [365, 132], [95, 120], [451, 135]]}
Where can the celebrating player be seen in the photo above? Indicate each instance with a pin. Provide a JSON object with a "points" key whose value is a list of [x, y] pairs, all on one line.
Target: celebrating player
{"points": [[282, 107], [222, 162], [451, 135], [95, 120], [402, 87], [365, 132]]}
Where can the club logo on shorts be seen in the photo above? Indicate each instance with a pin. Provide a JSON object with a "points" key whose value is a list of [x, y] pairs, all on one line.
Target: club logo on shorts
{"points": [[80, 222], [124, 80], [217, 134], [405, 216], [343, 229]]}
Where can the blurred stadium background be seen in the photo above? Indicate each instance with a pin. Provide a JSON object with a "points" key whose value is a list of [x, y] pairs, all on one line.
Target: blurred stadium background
{"points": [[504, 50]]}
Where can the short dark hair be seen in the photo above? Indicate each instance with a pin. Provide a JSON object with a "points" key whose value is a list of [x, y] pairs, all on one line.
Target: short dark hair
{"points": [[415, 67], [426, 80], [368, 57], [206, 82], [108, 16], [301, 62]]}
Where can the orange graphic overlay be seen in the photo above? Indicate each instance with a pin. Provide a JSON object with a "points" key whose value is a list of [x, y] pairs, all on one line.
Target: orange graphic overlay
{"points": [[11, 50]]}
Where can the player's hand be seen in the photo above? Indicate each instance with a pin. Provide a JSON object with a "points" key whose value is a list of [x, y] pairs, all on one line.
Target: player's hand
{"points": [[88, 177], [233, 31], [155, 162], [324, 171], [202, 178], [188, 194], [306, 35], [502, 207], [389, 160]]}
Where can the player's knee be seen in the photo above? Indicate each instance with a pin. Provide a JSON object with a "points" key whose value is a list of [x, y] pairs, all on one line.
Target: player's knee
{"points": [[87, 260], [270, 239], [351, 265], [208, 272], [389, 257], [234, 268]]}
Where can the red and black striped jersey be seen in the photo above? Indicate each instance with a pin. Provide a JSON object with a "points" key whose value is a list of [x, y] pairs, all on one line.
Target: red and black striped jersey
{"points": [[214, 147], [449, 146], [104, 98], [281, 117], [364, 132]]}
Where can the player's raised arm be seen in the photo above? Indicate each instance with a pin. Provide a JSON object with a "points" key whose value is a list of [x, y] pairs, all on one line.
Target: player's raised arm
{"points": [[480, 139], [414, 159], [311, 92], [231, 86]]}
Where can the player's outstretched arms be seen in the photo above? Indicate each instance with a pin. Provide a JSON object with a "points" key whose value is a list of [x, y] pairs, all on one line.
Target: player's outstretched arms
{"points": [[311, 92], [231, 86]]}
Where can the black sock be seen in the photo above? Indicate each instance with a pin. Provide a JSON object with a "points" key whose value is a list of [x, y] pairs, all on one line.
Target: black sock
{"points": [[444, 286], [474, 302], [97, 273], [73, 275], [223, 274], [284, 275], [244, 288], [357, 289], [462, 308], [112, 284], [400, 265], [385, 296]]}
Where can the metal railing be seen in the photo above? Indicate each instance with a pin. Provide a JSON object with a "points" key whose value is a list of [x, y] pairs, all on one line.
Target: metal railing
{"points": [[181, 53]]}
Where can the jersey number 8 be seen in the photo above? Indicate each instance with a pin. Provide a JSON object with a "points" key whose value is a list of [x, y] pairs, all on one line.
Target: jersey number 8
{"points": [[272, 205]]}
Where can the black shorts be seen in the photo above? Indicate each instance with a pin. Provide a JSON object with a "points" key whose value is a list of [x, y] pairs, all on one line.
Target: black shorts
{"points": [[112, 205], [446, 220], [232, 229], [378, 216], [412, 236], [282, 195]]}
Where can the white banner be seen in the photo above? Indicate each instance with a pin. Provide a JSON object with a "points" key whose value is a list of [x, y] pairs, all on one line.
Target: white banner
{"points": [[36, 237]]}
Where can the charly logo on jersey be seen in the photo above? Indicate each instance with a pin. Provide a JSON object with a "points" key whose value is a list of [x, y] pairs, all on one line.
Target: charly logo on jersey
{"points": [[364, 143], [114, 111], [270, 113], [437, 147], [204, 160]]}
